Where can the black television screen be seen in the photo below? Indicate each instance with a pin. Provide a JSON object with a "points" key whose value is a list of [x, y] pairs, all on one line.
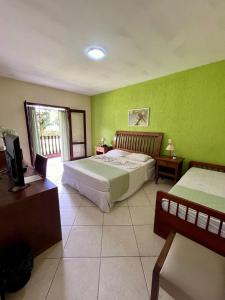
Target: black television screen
{"points": [[14, 160]]}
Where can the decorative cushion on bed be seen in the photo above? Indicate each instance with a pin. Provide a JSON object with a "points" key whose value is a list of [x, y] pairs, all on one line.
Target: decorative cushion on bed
{"points": [[138, 157], [117, 153]]}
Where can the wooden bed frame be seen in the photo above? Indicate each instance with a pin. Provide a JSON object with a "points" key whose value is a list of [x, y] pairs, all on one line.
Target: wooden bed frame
{"points": [[138, 141], [166, 222]]}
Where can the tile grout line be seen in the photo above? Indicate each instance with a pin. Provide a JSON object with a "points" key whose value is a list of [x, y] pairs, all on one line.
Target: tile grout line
{"points": [[146, 194], [67, 237], [76, 215], [107, 256], [60, 259], [71, 226], [146, 285], [100, 259], [109, 225]]}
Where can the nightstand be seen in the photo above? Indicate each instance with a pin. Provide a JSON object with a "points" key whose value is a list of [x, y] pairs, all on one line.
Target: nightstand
{"points": [[102, 150], [168, 167]]}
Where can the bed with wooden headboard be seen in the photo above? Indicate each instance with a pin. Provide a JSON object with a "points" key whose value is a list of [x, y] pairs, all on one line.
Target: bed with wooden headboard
{"points": [[106, 179]]}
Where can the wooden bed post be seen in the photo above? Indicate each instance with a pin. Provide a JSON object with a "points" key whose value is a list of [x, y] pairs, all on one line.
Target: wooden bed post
{"points": [[160, 227]]}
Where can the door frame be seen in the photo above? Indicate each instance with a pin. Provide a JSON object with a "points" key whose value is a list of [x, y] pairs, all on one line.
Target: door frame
{"points": [[26, 104], [69, 111], [70, 133]]}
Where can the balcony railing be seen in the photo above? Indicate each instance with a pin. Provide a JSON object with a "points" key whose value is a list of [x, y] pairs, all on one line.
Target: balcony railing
{"points": [[50, 146]]}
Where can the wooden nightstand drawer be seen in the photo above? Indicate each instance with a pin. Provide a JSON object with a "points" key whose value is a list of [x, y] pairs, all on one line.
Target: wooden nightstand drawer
{"points": [[166, 163]]}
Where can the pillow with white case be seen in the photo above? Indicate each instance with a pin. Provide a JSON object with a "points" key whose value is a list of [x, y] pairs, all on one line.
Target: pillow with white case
{"points": [[117, 153], [138, 157]]}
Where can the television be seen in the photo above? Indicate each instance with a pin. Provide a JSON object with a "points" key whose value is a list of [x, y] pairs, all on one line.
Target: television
{"points": [[14, 162]]}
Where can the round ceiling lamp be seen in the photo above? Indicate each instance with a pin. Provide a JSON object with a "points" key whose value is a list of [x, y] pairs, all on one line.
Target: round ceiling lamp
{"points": [[95, 53]]}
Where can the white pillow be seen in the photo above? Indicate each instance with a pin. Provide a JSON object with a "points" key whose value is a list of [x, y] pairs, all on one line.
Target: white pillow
{"points": [[138, 157], [117, 153]]}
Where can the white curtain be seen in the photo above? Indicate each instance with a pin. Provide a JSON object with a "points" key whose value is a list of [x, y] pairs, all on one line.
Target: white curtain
{"points": [[34, 130], [64, 135]]}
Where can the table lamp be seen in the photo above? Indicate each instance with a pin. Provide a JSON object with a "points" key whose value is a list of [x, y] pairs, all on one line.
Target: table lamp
{"points": [[102, 141], [170, 147]]}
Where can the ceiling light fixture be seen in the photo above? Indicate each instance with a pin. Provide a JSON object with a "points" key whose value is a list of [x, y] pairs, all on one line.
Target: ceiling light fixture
{"points": [[95, 53]]}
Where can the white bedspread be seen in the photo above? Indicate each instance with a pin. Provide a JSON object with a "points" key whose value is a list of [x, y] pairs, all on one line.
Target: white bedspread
{"points": [[97, 188], [207, 181]]}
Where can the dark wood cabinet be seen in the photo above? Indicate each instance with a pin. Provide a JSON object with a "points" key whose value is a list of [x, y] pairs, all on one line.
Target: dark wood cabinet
{"points": [[168, 167], [31, 215], [2, 160]]}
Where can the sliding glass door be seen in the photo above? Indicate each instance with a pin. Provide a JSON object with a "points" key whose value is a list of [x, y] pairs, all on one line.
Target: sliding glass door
{"points": [[78, 142]]}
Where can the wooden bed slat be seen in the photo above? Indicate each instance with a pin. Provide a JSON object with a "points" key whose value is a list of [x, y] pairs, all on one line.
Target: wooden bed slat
{"points": [[177, 209], [186, 214], [196, 217], [207, 224], [220, 227]]}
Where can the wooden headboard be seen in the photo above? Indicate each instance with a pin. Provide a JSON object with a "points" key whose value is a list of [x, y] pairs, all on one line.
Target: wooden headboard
{"points": [[141, 142]]}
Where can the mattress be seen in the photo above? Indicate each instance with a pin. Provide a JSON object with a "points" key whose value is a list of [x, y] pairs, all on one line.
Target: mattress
{"points": [[97, 188], [207, 181], [100, 183]]}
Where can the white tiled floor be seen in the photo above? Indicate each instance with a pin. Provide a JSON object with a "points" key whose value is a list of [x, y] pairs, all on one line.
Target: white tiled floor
{"points": [[122, 278], [118, 216], [102, 256], [142, 215], [84, 241], [119, 241], [89, 216]]}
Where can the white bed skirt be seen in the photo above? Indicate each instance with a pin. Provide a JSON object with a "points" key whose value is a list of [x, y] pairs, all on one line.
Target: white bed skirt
{"points": [[102, 198]]}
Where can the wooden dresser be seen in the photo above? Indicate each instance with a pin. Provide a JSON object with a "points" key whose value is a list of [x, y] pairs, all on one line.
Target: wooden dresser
{"points": [[30, 215]]}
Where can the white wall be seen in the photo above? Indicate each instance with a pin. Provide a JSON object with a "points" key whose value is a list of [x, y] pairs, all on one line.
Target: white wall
{"points": [[13, 93]]}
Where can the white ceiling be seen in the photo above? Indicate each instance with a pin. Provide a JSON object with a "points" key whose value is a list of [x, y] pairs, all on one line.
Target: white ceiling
{"points": [[43, 41]]}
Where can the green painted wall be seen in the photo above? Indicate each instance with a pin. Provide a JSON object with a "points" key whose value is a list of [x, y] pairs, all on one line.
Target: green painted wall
{"points": [[188, 107]]}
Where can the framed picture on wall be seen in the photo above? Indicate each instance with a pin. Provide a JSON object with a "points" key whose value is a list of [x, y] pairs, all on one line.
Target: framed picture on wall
{"points": [[138, 117]]}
